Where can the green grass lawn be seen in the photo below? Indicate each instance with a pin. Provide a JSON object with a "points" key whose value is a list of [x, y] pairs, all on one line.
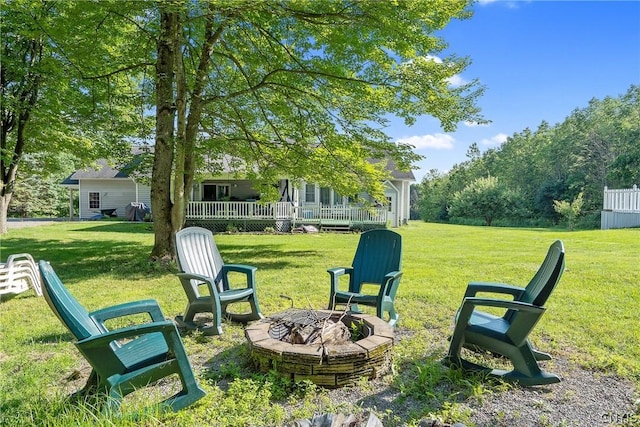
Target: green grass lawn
{"points": [[593, 316]]}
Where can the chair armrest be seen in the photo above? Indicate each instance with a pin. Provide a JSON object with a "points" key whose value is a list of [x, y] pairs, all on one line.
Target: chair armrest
{"points": [[499, 288], [248, 270], [165, 327], [198, 277], [499, 303], [339, 271], [186, 278], [240, 268], [335, 273], [390, 284], [149, 306]]}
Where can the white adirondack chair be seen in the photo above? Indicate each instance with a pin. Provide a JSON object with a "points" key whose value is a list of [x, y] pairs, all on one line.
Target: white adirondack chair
{"points": [[203, 267], [17, 275]]}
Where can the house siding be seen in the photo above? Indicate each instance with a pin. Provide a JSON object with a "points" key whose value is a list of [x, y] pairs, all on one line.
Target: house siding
{"points": [[114, 194]]}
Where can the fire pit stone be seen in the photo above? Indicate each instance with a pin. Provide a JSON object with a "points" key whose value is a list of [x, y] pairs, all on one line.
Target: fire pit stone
{"points": [[328, 365]]}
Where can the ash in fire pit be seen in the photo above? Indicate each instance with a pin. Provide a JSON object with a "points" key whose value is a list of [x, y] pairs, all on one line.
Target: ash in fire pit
{"points": [[330, 348], [308, 327]]}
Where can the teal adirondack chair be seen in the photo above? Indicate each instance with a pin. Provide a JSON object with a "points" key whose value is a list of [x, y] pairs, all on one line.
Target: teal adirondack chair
{"points": [[376, 262], [202, 265], [123, 360], [508, 335]]}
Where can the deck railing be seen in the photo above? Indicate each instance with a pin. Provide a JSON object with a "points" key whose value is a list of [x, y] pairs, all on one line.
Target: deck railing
{"points": [[341, 213], [284, 211], [626, 200], [238, 210]]}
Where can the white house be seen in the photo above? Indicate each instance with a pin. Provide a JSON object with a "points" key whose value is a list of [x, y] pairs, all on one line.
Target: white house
{"points": [[105, 189], [223, 199]]}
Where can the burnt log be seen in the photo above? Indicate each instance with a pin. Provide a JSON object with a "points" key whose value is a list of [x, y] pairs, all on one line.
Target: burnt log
{"points": [[326, 332]]}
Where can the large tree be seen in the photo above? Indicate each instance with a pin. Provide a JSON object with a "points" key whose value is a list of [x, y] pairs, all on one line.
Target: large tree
{"points": [[48, 107], [298, 89]]}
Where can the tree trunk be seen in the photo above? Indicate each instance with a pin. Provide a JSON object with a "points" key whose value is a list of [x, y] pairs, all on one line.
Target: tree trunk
{"points": [[4, 206], [179, 197], [175, 147], [161, 205], [28, 93]]}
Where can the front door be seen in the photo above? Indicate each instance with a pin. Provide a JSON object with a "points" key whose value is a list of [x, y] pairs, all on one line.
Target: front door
{"points": [[392, 207], [215, 192]]}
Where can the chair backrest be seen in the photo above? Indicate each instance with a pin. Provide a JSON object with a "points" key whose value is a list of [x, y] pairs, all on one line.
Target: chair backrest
{"points": [[536, 292], [74, 316], [547, 277], [379, 252], [198, 253]]}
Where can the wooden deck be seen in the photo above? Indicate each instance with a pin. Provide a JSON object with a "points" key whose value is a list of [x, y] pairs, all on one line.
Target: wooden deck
{"points": [[282, 216]]}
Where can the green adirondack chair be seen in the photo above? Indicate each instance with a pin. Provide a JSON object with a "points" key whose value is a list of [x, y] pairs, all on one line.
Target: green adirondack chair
{"points": [[123, 360], [202, 265], [377, 261], [508, 335]]}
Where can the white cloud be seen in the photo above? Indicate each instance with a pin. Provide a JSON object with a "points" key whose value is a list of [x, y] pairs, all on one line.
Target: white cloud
{"points": [[438, 141], [495, 140], [511, 4], [455, 80]]}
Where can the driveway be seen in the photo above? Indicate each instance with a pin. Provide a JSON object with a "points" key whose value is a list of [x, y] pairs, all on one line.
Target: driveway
{"points": [[28, 222]]}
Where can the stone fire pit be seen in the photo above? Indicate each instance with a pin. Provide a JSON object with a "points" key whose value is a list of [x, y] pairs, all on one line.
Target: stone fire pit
{"points": [[327, 365]]}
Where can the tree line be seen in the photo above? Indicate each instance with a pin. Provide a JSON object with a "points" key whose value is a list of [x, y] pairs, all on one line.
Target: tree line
{"points": [[542, 177]]}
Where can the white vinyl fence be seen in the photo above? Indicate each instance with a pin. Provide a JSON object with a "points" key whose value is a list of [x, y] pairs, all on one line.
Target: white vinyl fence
{"points": [[621, 208]]}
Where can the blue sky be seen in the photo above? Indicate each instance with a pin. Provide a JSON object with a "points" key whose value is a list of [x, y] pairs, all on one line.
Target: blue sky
{"points": [[539, 60]]}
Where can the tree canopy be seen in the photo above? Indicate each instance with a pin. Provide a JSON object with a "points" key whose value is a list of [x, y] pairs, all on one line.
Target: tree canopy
{"points": [[594, 147], [48, 108], [298, 89]]}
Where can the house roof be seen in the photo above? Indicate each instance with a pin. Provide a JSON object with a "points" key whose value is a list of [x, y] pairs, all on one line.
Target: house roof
{"points": [[395, 172], [105, 171]]}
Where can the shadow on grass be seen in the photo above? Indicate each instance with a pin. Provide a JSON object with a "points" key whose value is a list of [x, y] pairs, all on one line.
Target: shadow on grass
{"points": [[120, 227], [121, 258]]}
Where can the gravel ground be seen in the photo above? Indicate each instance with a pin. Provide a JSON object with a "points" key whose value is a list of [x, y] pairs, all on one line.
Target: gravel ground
{"points": [[583, 398]]}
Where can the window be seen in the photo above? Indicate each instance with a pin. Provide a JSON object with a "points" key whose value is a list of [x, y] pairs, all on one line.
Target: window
{"points": [[94, 200], [215, 192], [325, 196], [310, 193], [337, 198], [223, 192]]}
